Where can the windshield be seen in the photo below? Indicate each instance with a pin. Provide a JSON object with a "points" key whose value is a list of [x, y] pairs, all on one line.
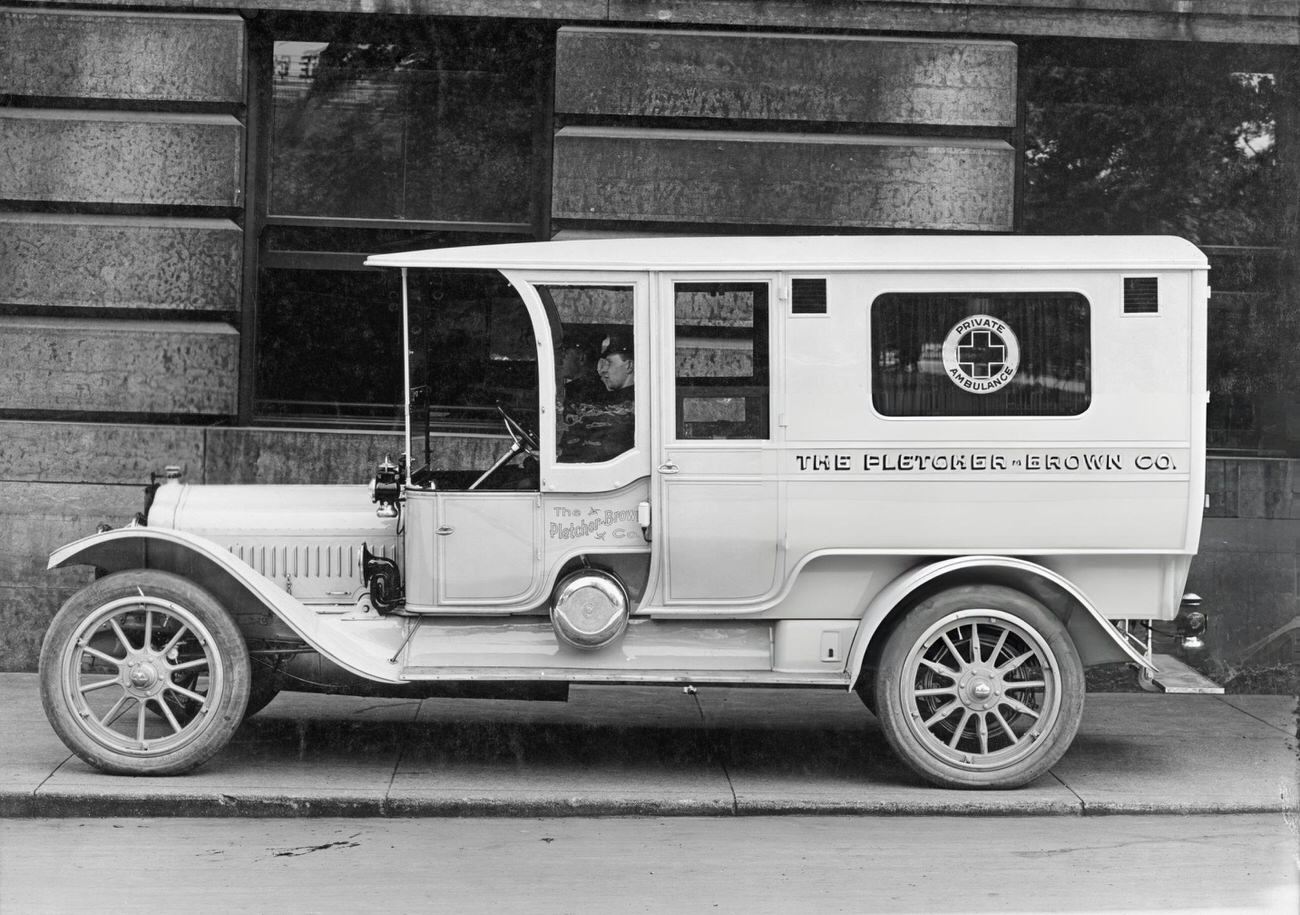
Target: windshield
{"points": [[472, 348]]}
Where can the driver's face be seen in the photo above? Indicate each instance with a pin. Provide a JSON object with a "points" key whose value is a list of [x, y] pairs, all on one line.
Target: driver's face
{"points": [[572, 365], [615, 371]]}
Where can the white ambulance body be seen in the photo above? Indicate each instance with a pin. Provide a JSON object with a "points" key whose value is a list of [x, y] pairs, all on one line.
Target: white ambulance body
{"points": [[944, 471]]}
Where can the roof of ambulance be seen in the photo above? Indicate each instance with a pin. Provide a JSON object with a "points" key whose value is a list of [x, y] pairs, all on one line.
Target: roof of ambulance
{"points": [[821, 253]]}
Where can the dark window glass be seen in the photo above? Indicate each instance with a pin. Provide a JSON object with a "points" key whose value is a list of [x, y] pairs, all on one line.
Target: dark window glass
{"points": [[722, 360], [378, 127], [329, 331], [427, 121], [330, 346], [981, 354], [1182, 138], [1161, 138], [1252, 324], [472, 347]]}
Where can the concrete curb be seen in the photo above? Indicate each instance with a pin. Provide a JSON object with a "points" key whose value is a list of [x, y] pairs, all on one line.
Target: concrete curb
{"points": [[13, 806]]}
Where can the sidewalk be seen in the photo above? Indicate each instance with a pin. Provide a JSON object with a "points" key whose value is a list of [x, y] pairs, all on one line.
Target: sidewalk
{"points": [[614, 751]]}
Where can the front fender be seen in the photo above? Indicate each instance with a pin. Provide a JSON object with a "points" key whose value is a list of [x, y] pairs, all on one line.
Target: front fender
{"points": [[362, 647], [1093, 634]]}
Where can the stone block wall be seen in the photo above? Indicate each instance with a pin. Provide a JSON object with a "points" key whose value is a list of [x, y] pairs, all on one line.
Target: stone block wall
{"points": [[682, 129], [121, 176], [121, 266], [57, 261]]}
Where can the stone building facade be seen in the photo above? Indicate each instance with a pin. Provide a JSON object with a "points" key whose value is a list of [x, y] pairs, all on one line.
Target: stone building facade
{"points": [[187, 191]]}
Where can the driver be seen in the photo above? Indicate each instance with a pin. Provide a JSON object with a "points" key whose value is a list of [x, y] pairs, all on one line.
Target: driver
{"points": [[602, 431], [578, 383]]}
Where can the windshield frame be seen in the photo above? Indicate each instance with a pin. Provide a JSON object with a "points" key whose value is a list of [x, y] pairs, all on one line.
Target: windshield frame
{"points": [[555, 476], [541, 367]]}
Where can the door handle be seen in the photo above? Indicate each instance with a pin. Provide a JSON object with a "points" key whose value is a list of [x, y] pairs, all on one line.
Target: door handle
{"points": [[669, 467], [445, 530]]}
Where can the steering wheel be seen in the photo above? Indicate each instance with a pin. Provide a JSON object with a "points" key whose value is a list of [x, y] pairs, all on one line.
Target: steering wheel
{"points": [[524, 439]]}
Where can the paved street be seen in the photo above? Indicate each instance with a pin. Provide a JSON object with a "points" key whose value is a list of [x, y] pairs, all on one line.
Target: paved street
{"points": [[643, 799], [1224, 863]]}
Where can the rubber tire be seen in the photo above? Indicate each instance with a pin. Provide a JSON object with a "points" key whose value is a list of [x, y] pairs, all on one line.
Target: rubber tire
{"points": [[892, 705], [228, 646]]}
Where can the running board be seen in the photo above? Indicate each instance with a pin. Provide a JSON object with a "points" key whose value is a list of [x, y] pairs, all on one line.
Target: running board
{"points": [[642, 677], [1173, 676]]}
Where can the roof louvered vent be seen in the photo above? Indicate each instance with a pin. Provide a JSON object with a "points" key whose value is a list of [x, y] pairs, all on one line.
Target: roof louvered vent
{"points": [[808, 297], [1141, 295]]}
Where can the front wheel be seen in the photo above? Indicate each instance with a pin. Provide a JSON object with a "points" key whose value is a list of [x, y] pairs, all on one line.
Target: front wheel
{"points": [[980, 687], [144, 673]]}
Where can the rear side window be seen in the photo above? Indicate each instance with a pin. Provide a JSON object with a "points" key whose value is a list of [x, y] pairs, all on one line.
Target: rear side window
{"points": [[981, 354], [721, 360]]}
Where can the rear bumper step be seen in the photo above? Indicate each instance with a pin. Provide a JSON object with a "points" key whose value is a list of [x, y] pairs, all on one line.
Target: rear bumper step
{"points": [[1173, 676]]}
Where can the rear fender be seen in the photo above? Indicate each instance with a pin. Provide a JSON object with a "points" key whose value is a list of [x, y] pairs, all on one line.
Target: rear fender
{"points": [[1096, 640], [362, 647]]}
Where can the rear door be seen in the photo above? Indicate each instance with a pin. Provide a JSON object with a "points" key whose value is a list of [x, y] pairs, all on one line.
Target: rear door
{"points": [[718, 521]]}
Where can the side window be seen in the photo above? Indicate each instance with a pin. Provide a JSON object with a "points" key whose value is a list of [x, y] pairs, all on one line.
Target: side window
{"points": [[595, 415], [721, 358], [981, 354]]}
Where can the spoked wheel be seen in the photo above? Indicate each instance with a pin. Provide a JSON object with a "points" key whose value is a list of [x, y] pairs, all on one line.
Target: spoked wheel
{"points": [[980, 687], [144, 673]]}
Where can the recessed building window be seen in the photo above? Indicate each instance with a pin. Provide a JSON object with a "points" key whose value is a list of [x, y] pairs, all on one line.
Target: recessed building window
{"points": [[384, 135], [426, 120]]}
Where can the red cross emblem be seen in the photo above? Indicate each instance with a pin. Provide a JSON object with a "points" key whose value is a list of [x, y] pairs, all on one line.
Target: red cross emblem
{"points": [[981, 354]]}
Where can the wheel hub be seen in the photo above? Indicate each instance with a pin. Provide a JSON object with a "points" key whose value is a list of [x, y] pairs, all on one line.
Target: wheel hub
{"points": [[979, 689], [143, 676]]}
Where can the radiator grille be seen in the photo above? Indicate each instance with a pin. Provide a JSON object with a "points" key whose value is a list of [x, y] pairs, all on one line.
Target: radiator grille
{"points": [[307, 561]]}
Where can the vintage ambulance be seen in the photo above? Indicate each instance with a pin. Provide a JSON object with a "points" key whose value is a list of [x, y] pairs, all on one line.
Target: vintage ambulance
{"points": [[945, 472]]}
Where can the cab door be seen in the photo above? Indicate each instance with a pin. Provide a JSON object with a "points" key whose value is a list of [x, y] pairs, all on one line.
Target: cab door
{"points": [[718, 516], [486, 547], [495, 548]]}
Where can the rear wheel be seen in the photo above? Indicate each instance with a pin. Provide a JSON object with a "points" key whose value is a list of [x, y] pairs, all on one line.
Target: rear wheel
{"points": [[144, 673], [980, 687]]}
